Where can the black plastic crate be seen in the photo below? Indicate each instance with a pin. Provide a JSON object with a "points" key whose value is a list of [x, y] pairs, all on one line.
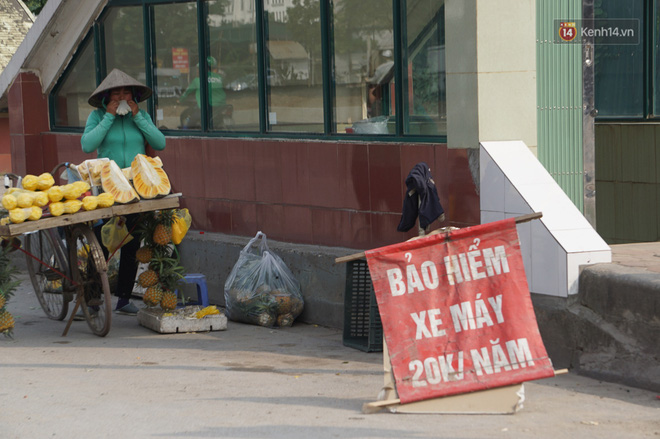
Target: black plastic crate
{"points": [[362, 326]]}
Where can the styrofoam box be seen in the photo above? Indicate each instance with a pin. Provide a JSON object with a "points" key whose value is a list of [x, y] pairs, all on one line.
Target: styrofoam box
{"points": [[169, 323]]}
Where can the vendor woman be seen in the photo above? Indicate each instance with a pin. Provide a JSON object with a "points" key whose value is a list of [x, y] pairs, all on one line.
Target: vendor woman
{"points": [[119, 130]]}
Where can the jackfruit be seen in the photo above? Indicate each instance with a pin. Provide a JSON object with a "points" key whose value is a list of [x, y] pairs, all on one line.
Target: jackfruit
{"points": [[114, 182], [149, 179]]}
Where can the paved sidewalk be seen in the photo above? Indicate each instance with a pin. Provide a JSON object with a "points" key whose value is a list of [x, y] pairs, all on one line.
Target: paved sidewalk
{"points": [[643, 255], [254, 382]]}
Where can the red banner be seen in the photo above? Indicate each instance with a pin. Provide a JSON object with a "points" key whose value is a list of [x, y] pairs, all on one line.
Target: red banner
{"points": [[180, 59], [456, 312]]}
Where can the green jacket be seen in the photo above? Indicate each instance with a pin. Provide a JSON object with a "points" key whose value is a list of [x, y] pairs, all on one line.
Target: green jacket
{"points": [[216, 92], [120, 138]]}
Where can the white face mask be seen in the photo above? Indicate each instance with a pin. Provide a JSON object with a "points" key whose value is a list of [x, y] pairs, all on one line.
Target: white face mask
{"points": [[123, 108]]}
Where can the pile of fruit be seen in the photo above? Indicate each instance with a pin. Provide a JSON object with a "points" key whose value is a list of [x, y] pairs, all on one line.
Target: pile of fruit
{"points": [[8, 285], [39, 196], [164, 271]]}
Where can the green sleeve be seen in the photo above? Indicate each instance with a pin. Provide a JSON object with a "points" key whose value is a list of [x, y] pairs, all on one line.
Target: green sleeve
{"points": [[98, 125], [154, 137], [194, 85]]}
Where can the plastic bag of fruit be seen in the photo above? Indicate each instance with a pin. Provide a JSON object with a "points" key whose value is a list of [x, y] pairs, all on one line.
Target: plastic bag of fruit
{"points": [[261, 289]]}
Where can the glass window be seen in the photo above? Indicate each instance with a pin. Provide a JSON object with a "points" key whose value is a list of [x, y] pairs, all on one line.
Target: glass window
{"points": [[124, 41], [294, 78], [619, 69], [176, 74], [232, 44], [425, 94], [364, 66], [656, 61], [71, 107]]}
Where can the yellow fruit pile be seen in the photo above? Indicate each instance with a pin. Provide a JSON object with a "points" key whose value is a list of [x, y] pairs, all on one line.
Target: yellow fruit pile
{"points": [[40, 192], [40, 196]]}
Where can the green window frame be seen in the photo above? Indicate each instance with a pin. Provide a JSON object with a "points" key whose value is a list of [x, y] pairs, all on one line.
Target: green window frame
{"points": [[398, 99], [627, 77]]}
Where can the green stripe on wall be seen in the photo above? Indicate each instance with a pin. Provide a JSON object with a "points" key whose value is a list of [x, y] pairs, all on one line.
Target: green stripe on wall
{"points": [[559, 98]]}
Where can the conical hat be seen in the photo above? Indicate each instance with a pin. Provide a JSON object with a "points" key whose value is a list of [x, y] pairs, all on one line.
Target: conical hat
{"points": [[117, 78]]}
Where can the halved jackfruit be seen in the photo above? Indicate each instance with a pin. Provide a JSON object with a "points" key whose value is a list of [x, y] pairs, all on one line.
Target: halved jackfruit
{"points": [[149, 178], [114, 182]]}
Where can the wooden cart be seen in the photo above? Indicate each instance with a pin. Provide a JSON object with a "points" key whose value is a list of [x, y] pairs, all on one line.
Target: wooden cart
{"points": [[66, 261]]}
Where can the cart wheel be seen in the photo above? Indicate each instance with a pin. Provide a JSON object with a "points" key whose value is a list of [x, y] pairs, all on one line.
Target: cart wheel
{"points": [[51, 287], [90, 272]]}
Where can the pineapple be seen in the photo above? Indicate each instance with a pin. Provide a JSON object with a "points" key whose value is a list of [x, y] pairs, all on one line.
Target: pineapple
{"points": [[162, 234], [6, 322], [144, 254], [8, 285], [148, 278], [168, 302], [153, 295], [285, 320]]}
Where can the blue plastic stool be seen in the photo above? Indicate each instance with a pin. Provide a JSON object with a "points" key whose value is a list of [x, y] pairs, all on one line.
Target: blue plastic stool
{"points": [[202, 291]]}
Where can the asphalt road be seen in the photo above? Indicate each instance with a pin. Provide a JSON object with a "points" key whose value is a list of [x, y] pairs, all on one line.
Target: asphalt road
{"points": [[254, 382]]}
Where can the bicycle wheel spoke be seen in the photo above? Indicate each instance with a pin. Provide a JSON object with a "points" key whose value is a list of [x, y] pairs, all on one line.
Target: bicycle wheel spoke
{"points": [[46, 264], [89, 271]]}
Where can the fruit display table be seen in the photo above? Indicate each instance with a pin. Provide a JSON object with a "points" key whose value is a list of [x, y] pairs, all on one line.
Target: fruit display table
{"points": [[168, 202]]}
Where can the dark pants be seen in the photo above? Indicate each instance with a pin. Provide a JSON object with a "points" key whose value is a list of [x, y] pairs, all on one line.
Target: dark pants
{"points": [[127, 263]]}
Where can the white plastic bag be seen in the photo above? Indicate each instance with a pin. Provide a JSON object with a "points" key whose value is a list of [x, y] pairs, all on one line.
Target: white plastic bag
{"points": [[261, 289]]}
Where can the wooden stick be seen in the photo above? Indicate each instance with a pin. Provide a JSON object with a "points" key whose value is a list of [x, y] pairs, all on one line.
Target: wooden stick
{"points": [[376, 406], [519, 219]]}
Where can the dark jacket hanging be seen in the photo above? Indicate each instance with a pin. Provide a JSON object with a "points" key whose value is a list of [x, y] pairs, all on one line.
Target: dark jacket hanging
{"points": [[421, 199]]}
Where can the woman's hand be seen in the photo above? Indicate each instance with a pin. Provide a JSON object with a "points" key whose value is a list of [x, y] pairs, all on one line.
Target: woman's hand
{"points": [[134, 107], [112, 107]]}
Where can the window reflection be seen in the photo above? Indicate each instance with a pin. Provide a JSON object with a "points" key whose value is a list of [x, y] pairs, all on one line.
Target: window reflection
{"points": [[71, 107], [176, 81], [124, 41], [232, 41], [294, 79], [364, 66], [425, 103]]}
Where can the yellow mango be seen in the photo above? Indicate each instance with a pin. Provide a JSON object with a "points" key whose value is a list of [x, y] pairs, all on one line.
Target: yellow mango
{"points": [[25, 199], [56, 209], [55, 194], [34, 213], [30, 182], [9, 202], [82, 186], [45, 181], [17, 215], [90, 202], [105, 199], [5, 221], [70, 192], [72, 206], [40, 199]]}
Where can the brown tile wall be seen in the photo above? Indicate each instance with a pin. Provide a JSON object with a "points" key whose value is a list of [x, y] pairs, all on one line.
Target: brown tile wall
{"points": [[313, 192]]}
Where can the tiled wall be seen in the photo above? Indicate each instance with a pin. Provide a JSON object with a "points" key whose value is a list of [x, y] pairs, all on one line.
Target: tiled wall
{"points": [[343, 194], [627, 182], [514, 183], [5, 144]]}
